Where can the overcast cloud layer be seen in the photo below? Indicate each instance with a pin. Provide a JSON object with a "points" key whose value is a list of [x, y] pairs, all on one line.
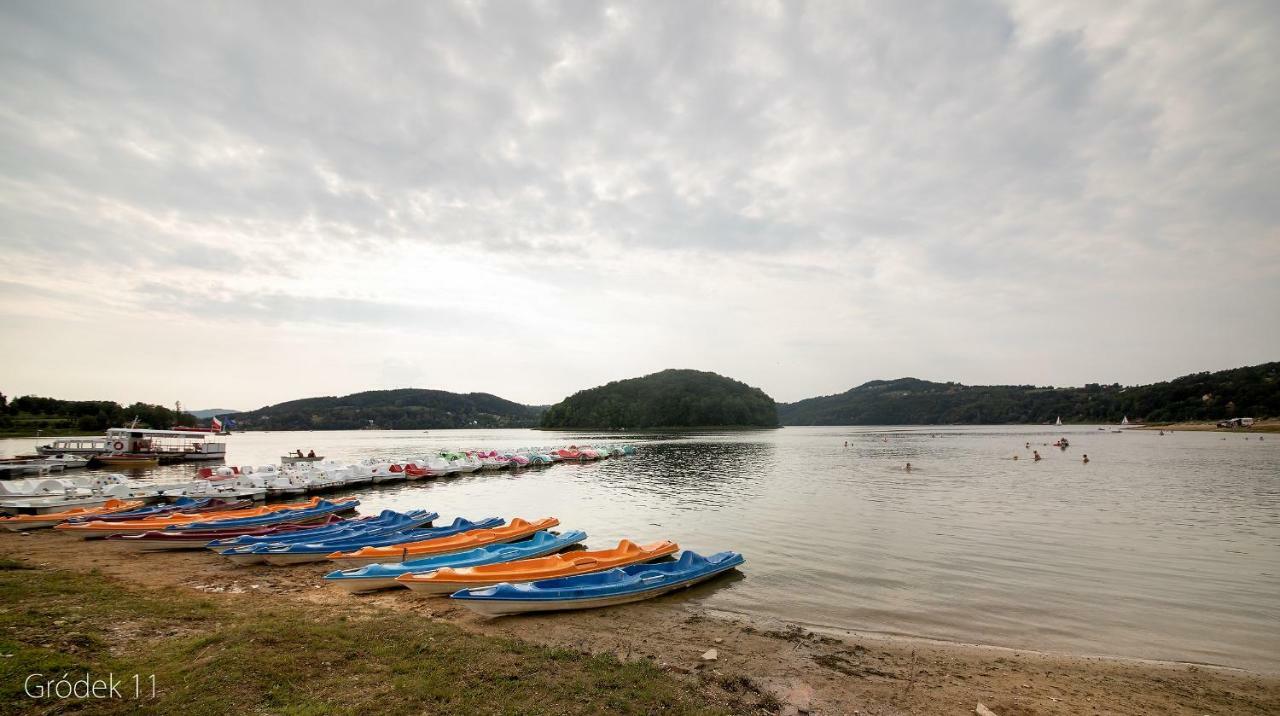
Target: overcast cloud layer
{"points": [[235, 204]]}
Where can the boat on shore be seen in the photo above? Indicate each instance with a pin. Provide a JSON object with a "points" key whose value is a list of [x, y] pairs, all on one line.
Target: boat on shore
{"points": [[621, 585], [447, 580], [312, 510], [383, 576], [180, 539], [19, 523], [518, 529], [319, 551]]}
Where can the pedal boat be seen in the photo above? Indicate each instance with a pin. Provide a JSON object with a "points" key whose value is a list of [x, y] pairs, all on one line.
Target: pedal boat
{"points": [[300, 512], [448, 580], [302, 552], [49, 519], [179, 539], [598, 589], [372, 577], [518, 529]]}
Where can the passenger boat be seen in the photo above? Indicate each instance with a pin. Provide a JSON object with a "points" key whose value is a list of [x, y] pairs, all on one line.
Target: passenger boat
{"points": [[301, 552], [599, 589], [19, 523], [166, 445], [383, 576], [403, 552], [448, 580]]}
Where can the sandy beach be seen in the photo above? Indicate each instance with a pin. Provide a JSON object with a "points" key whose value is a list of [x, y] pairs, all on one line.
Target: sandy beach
{"points": [[765, 667]]}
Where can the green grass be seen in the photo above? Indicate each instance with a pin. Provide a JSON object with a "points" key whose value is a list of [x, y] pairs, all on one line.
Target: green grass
{"points": [[255, 656]]}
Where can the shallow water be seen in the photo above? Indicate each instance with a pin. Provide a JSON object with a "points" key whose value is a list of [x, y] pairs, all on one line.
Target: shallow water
{"points": [[1161, 547]]}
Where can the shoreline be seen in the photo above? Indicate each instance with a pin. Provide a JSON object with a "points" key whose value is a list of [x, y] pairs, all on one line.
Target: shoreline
{"points": [[759, 661], [1261, 426]]}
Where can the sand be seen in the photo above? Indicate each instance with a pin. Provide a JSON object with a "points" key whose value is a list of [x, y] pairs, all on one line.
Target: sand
{"points": [[759, 665]]}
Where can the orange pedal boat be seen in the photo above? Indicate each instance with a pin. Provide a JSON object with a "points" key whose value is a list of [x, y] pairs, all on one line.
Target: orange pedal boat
{"points": [[91, 530], [49, 519], [515, 530], [448, 580]]}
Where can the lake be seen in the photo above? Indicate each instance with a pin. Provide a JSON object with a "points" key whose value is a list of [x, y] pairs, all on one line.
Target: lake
{"points": [[1162, 547]]}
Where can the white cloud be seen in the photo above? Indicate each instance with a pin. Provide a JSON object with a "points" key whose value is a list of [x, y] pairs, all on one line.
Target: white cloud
{"points": [[529, 199]]}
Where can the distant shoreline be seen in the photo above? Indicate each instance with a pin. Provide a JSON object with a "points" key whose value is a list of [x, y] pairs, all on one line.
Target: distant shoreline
{"points": [[1262, 426]]}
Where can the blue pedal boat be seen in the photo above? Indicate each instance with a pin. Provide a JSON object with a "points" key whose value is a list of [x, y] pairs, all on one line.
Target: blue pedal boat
{"points": [[300, 552], [383, 576], [384, 522], [602, 589], [322, 508]]}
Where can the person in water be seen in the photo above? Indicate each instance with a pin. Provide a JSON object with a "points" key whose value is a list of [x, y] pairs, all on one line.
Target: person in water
{"points": [[908, 467], [1015, 457], [1086, 459], [1036, 454], [846, 443]]}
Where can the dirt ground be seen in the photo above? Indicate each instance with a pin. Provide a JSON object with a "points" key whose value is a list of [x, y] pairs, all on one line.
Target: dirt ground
{"points": [[806, 672]]}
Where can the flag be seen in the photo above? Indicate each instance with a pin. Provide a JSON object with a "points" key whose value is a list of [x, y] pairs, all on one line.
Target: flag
{"points": [[216, 424]]}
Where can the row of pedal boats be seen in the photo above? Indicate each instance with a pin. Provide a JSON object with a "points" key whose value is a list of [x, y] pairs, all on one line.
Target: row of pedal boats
{"points": [[492, 566], [263, 482]]}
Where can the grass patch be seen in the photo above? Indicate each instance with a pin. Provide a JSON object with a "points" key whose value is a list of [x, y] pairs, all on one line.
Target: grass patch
{"points": [[256, 656]]}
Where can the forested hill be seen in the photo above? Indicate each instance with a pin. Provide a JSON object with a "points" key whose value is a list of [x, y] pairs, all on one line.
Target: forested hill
{"points": [[404, 409], [50, 416], [669, 399], [1245, 392]]}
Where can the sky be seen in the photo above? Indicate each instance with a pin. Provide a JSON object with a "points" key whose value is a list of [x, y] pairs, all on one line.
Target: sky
{"points": [[237, 204]]}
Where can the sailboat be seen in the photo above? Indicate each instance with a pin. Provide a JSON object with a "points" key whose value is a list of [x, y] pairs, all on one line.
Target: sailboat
{"points": [[1125, 421], [1059, 420]]}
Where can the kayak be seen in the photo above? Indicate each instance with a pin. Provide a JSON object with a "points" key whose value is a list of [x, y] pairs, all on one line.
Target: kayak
{"points": [[297, 511], [50, 519], [518, 529], [186, 504], [174, 539], [382, 522], [383, 576], [298, 553], [448, 580], [598, 589]]}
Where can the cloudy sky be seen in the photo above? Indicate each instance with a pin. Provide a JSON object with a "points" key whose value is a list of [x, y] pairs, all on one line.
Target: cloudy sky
{"points": [[235, 204]]}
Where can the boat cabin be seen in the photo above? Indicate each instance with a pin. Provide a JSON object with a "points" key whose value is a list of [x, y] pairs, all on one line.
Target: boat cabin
{"points": [[172, 443]]}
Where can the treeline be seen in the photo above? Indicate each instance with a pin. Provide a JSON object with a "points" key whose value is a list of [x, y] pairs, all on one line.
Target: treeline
{"points": [[30, 413], [669, 399], [405, 409], [1252, 391]]}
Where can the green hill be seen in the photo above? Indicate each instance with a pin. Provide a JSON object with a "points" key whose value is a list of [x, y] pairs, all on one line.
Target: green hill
{"points": [[1252, 391], [405, 409], [669, 399], [50, 416]]}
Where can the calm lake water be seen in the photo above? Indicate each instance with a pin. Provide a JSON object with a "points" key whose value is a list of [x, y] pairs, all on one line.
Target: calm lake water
{"points": [[1161, 547]]}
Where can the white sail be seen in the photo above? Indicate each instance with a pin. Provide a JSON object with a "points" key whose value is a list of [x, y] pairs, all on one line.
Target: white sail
{"points": [[1059, 420], [1125, 421]]}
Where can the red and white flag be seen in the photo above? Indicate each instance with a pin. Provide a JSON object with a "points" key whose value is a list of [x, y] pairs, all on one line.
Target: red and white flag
{"points": [[216, 424]]}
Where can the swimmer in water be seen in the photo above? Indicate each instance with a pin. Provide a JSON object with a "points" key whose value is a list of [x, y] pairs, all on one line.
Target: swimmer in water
{"points": [[1037, 457], [1015, 457], [908, 467], [1086, 459]]}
